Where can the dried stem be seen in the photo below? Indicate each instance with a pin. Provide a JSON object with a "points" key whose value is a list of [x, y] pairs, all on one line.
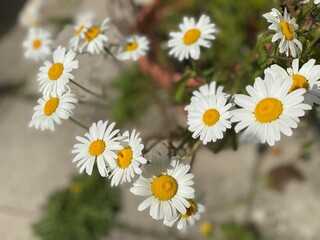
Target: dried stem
{"points": [[78, 123], [87, 90]]}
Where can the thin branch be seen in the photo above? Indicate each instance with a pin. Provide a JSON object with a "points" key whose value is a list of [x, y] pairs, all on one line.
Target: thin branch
{"points": [[78, 123], [87, 90]]}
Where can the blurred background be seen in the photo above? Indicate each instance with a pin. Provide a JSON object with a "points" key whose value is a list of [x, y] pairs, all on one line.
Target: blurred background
{"points": [[250, 192]]}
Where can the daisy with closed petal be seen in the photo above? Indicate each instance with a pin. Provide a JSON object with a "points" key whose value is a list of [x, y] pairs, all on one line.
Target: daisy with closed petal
{"points": [[189, 218], [285, 28], [167, 186], [269, 110], [83, 22], [208, 115], [52, 109], [38, 44], [94, 38], [307, 77], [53, 77], [186, 43], [133, 48], [129, 160], [99, 145]]}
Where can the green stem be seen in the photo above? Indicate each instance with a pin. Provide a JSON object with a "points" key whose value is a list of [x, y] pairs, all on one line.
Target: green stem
{"points": [[308, 11], [192, 161], [192, 151], [311, 45]]}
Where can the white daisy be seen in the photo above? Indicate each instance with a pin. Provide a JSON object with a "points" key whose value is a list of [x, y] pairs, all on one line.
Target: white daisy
{"points": [[167, 186], [52, 109], [208, 114], [208, 90], [286, 31], [189, 218], [94, 38], [133, 48], [53, 77], [193, 35], [83, 22], [315, 1], [38, 44], [269, 110], [98, 145], [29, 15], [308, 77], [129, 160]]}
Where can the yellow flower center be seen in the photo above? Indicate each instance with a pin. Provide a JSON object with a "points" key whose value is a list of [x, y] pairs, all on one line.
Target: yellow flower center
{"points": [[36, 43], [299, 81], [131, 46], [190, 210], [92, 33], [206, 228], [55, 71], [287, 30], [211, 117], [79, 30], [164, 187], [125, 157], [51, 106], [191, 36], [268, 110], [97, 147]]}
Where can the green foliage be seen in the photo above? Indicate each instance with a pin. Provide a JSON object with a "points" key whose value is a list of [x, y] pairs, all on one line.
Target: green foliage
{"points": [[235, 231], [136, 93], [84, 211], [232, 59]]}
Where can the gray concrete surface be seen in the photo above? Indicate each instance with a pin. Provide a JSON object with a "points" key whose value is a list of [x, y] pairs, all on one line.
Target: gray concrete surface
{"points": [[35, 164]]}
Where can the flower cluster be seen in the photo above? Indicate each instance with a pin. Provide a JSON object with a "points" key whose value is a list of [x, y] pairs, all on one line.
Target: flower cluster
{"points": [[166, 183], [273, 105], [92, 38]]}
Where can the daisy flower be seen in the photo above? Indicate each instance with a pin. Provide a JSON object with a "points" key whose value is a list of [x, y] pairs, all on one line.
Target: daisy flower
{"points": [[167, 186], [286, 27], [94, 38], [51, 109], [208, 114], [189, 218], [315, 1], [83, 22], [133, 48], [208, 90], [308, 77], [53, 77], [37, 44], [129, 160], [98, 145], [29, 15], [192, 36], [269, 110]]}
